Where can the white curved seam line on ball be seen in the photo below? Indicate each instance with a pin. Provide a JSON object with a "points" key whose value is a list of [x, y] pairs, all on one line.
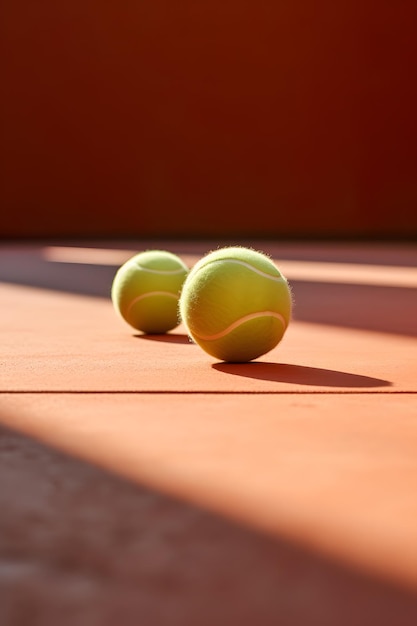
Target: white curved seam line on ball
{"points": [[278, 279], [161, 272], [242, 320], [149, 295]]}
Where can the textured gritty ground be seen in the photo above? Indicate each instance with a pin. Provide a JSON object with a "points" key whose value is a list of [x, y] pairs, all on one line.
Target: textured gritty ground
{"points": [[141, 482]]}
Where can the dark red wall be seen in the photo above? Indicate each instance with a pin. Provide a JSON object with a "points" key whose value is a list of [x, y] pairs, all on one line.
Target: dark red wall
{"points": [[161, 117]]}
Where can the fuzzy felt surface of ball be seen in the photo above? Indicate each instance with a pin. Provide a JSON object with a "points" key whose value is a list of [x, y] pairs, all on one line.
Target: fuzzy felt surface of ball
{"points": [[236, 304], [146, 289]]}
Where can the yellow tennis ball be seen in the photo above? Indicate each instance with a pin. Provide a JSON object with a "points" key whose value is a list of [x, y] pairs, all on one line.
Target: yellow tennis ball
{"points": [[236, 304], [146, 289]]}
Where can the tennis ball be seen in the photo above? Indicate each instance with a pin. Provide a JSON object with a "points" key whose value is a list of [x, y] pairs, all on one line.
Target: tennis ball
{"points": [[146, 289], [236, 304]]}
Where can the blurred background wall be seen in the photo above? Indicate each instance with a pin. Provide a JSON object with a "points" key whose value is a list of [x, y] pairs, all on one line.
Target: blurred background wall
{"points": [[199, 118]]}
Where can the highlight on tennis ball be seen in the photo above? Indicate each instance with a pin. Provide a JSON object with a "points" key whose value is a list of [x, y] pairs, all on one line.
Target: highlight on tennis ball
{"points": [[236, 304], [146, 290]]}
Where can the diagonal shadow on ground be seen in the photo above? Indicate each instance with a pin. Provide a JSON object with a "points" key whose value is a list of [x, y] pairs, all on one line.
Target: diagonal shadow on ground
{"points": [[385, 309], [110, 551]]}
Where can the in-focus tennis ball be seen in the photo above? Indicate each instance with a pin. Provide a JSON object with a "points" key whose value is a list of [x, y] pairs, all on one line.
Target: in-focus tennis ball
{"points": [[146, 289], [236, 304]]}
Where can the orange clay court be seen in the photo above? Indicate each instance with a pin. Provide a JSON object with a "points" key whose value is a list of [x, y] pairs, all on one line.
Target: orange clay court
{"points": [[142, 481]]}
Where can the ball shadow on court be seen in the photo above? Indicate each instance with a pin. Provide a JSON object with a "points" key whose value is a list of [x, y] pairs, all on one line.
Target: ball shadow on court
{"points": [[300, 375]]}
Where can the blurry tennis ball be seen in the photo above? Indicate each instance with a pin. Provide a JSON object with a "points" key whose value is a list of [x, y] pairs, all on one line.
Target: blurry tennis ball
{"points": [[236, 304], [146, 289]]}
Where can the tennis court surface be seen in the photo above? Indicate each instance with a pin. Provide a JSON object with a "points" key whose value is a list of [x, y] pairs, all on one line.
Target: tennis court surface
{"points": [[144, 482]]}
